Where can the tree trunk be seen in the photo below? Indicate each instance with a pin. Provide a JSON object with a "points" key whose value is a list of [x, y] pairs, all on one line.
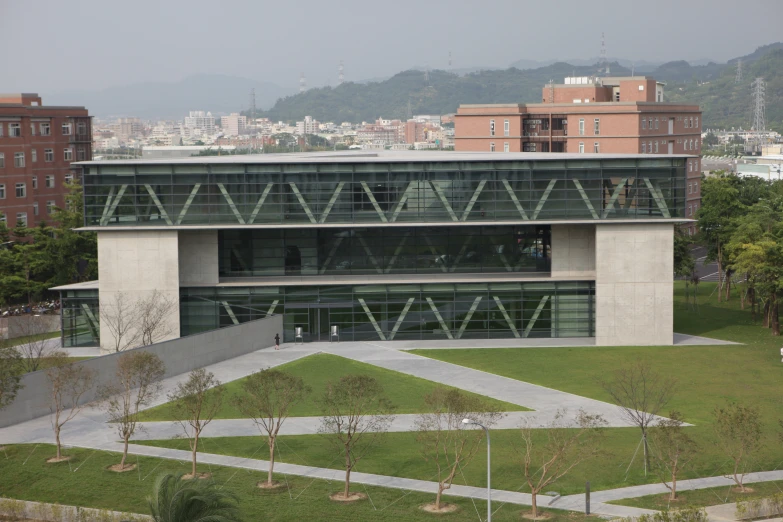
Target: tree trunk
{"points": [[674, 487], [728, 286], [195, 449], [346, 492], [534, 503], [646, 453], [742, 299], [271, 459], [775, 317], [752, 299], [57, 441], [124, 453], [765, 318], [437, 497], [720, 273]]}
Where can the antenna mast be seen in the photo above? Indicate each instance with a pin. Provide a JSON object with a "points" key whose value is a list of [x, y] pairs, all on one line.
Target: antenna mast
{"points": [[449, 59], [759, 123], [302, 83], [738, 77], [604, 68], [253, 106], [340, 73]]}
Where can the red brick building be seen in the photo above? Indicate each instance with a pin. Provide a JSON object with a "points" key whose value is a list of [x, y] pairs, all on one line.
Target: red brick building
{"points": [[37, 145], [590, 115]]}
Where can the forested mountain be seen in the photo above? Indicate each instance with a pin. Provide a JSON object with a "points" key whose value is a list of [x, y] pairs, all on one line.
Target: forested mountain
{"points": [[725, 104]]}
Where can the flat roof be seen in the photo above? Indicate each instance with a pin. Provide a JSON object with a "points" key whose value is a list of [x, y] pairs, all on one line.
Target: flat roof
{"points": [[86, 285], [378, 157]]}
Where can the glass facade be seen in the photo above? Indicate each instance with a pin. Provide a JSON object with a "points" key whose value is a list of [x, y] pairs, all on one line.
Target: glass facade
{"points": [[399, 312], [231, 193], [386, 250], [80, 318]]}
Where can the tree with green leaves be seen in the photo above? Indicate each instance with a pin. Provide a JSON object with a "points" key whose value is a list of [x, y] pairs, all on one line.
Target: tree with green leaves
{"points": [[684, 263], [177, 499], [11, 371], [672, 449], [738, 430]]}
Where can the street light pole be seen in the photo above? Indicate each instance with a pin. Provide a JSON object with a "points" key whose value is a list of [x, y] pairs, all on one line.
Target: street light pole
{"points": [[489, 469]]}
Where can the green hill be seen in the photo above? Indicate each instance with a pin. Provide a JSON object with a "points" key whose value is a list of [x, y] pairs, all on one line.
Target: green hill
{"points": [[725, 104]]}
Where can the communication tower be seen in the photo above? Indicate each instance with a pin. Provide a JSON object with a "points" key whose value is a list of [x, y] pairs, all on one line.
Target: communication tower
{"points": [[253, 106], [759, 123], [604, 67], [302, 83], [738, 77], [340, 73]]}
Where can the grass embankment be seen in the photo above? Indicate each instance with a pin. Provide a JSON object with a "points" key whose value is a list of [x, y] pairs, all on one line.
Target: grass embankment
{"points": [[85, 481], [703, 497], [708, 376], [405, 392], [21, 340]]}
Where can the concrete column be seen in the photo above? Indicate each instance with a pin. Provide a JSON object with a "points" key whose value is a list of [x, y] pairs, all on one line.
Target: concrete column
{"points": [[134, 264], [634, 284], [198, 257], [573, 251]]}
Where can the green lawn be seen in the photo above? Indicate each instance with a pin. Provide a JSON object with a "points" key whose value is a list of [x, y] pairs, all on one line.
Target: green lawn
{"points": [[405, 391], [702, 497], [21, 340], [85, 481], [707, 375]]}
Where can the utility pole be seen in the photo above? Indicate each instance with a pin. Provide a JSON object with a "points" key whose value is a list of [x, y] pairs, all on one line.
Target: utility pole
{"points": [[302, 83], [604, 67], [340, 73], [738, 77], [759, 123], [253, 106]]}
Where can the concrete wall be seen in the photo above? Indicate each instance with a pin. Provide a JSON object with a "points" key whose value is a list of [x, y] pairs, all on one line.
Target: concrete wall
{"points": [[634, 284], [573, 251], [198, 257], [23, 325], [179, 355], [136, 264]]}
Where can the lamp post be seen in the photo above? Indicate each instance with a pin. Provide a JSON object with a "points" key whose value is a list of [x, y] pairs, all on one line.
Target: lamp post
{"points": [[489, 487]]}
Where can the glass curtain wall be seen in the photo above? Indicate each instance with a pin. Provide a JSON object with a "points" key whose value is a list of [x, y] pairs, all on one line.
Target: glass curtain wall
{"points": [[80, 318], [378, 193], [397, 250], [399, 312]]}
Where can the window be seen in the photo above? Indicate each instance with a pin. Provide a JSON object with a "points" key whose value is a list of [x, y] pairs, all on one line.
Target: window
{"points": [[597, 127], [690, 188], [34, 182], [491, 127], [2, 191], [2, 218], [48, 155], [34, 155], [35, 208], [49, 181], [21, 219], [67, 129], [81, 128], [656, 123], [691, 123], [18, 159], [50, 207], [650, 124], [492, 147], [644, 148], [32, 129], [696, 121], [581, 126], [596, 147], [696, 187], [21, 190], [690, 144], [656, 147], [80, 154], [67, 154], [14, 130], [46, 129], [690, 167], [506, 127], [69, 177], [649, 147], [644, 124], [1, 129], [690, 210], [581, 147], [529, 147], [505, 147], [2, 160]]}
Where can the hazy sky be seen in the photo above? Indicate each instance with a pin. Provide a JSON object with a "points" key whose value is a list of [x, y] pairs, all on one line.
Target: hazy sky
{"points": [[54, 45]]}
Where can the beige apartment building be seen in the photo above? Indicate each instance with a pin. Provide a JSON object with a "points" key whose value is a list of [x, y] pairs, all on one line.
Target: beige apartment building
{"points": [[587, 115]]}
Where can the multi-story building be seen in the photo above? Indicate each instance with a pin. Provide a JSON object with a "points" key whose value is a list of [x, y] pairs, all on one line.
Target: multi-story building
{"points": [[126, 129], [204, 121], [307, 126], [589, 115], [37, 145], [389, 246], [234, 124]]}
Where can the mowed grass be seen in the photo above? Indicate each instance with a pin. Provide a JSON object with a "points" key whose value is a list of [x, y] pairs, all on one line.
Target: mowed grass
{"points": [[85, 481], [703, 497], [708, 376], [404, 391]]}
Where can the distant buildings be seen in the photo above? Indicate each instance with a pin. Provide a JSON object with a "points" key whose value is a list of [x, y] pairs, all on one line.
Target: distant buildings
{"points": [[202, 121], [37, 145], [234, 124], [589, 115]]}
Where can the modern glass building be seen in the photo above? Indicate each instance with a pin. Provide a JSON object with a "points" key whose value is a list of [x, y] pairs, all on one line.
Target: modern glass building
{"points": [[390, 246]]}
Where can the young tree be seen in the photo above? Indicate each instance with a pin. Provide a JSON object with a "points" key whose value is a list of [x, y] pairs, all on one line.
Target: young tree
{"points": [[641, 392], [11, 371], [195, 404], [154, 317], [268, 398], [738, 429], [176, 499], [673, 450], [68, 382], [35, 342], [567, 445], [136, 384], [120, 317], [442, 439], [357, 414]]}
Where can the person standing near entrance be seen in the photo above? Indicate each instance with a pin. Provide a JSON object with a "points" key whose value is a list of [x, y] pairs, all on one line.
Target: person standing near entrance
{"points": [[277, 341]]}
